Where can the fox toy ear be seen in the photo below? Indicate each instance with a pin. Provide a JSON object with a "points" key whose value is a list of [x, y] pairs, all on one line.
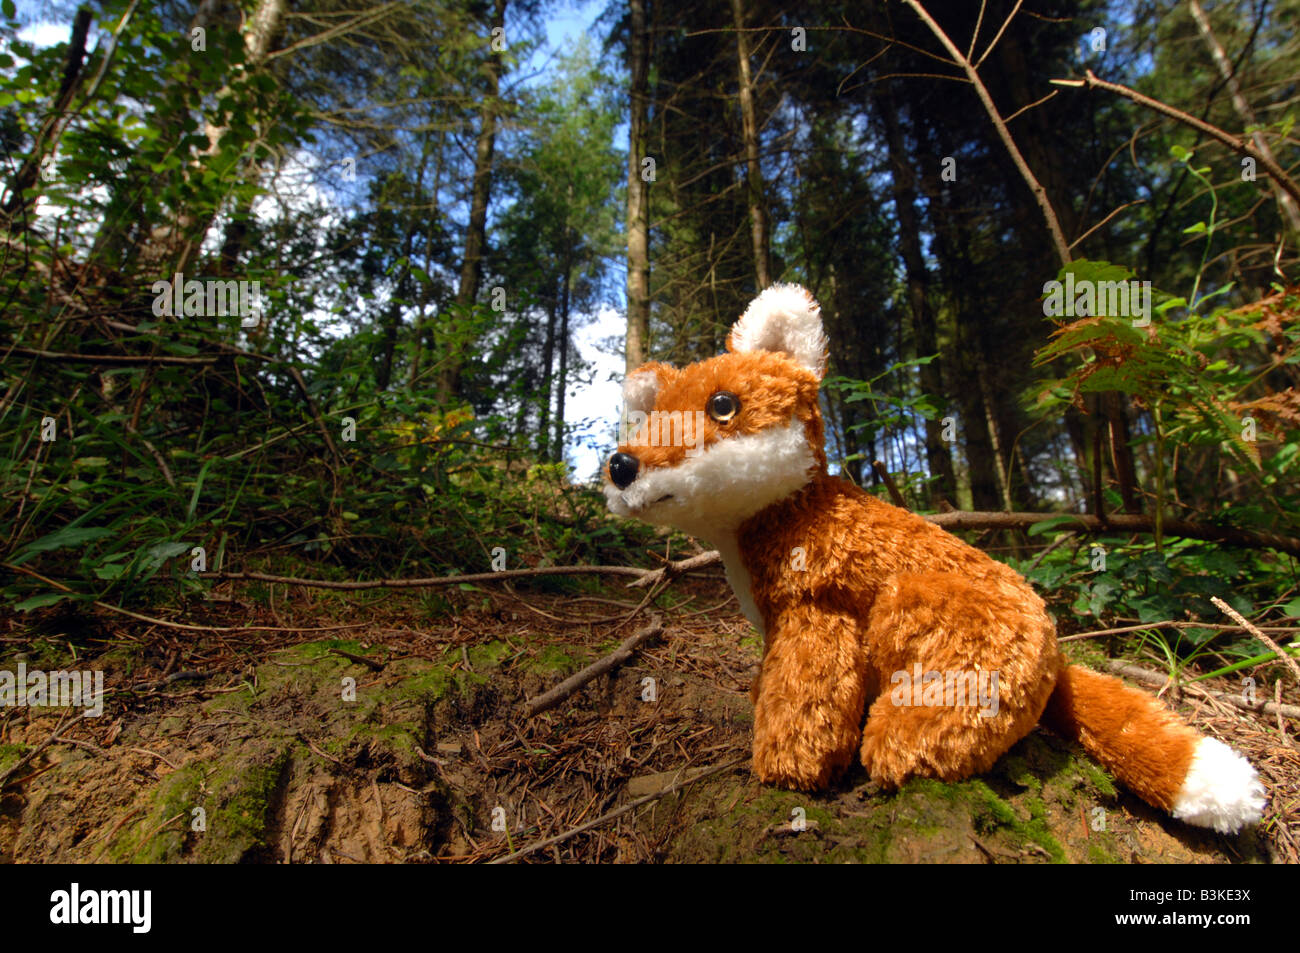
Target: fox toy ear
{"points": [[783, 318], [641, 387]]}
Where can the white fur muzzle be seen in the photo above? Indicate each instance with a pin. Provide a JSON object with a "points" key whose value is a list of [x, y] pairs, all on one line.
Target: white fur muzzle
{"points": [[723, 486]]}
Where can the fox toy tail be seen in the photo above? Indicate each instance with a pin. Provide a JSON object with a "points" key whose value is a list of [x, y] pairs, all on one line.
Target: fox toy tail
{"points": [[1152, 752]]}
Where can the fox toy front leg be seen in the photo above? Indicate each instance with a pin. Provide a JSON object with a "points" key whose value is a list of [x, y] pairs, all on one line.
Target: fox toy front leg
{"points": [[966, 667], [809, 700]]}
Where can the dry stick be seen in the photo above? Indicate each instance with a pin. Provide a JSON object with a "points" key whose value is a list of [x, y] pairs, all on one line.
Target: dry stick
{"points": [[1048, 549], [180, 625], [955, 520], [368, 662], [184, 675], [31, 755], [1173, 624], [652, 577], [1253, 630], [1120, 523], [1137, 673], [1040, 193], [611, 661], [617, 812], [1240, 145], [431, 580]]}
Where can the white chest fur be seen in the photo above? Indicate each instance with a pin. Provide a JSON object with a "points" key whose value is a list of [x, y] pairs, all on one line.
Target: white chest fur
{"points": [[738, 576]]}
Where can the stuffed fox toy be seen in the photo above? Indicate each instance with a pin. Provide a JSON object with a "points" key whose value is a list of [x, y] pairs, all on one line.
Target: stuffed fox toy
{"points": [[869, 610]]}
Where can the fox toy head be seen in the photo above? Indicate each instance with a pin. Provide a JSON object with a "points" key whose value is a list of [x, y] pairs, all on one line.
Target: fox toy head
{"points": [[711, 444]]}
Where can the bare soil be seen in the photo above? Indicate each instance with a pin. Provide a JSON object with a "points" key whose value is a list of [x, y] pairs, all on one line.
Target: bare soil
{"points": [[272, 747]]}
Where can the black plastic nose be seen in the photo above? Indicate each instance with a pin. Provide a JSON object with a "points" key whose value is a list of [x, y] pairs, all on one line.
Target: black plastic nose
{"points": [[622, 469]]}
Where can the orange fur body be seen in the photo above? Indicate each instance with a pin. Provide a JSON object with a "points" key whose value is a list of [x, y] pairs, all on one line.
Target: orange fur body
{"points": [[857, 597]]}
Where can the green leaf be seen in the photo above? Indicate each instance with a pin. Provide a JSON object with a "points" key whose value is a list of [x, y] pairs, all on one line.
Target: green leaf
{"points": [[1046, 526], [39, 602], [64, 538]]}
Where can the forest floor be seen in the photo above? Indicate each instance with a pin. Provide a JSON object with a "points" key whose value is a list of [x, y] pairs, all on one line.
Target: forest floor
{"points": [[347, 732]]}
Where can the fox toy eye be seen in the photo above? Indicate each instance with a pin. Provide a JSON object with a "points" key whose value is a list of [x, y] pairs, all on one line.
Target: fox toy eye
{"points": [[723, 406]]}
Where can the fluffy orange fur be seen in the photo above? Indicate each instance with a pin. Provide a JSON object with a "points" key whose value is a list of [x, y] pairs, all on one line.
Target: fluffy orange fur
{"points": [[853, 591]]}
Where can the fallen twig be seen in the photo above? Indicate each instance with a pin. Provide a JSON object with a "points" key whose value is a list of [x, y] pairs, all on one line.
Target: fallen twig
{"points": [[617, 812], [652, 577], [611, 661], [361, 659], [1170, 624], [1245, 624], [185, 675], [1139, 674], [31, 755]]}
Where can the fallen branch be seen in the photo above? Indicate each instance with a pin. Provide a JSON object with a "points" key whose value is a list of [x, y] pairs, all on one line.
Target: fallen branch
{"points": [[1172, 624], [1155, 679], [652, 577], [617, 812], [430, 581], [185, 675], [611, 661], [1120, 522], [954, 520], [361, 659], [30, 756], [1253, 630]]}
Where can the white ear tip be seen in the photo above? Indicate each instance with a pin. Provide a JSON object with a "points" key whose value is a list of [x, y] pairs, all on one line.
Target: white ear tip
{"points": [[640, 389], [784, 318]]}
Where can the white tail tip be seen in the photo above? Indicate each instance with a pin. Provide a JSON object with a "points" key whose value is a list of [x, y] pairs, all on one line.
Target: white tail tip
{"points": [[1221, 790]]}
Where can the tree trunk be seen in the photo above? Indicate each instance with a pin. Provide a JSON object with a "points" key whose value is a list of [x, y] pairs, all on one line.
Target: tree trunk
{"points": [[476, 236], [21, 198], [638, 194], [557, 448], [753, 173], [548, 363], [172, 247], [1290, 211], [1121, 454], [938, 458]]}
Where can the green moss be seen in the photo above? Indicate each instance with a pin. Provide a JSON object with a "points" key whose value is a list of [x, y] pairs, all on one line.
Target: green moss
{"points": [[1095, 776], [152, 840], [1015, 768], [553, 659], [11, 755], [1098, 854], [241, 798], [489, 655], [991, 813]]}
